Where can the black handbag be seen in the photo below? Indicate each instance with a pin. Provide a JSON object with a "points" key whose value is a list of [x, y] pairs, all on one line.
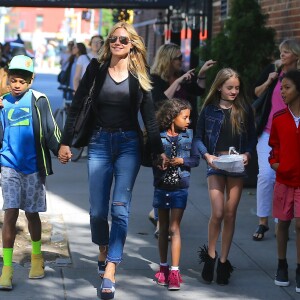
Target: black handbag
{"points": [[146, 153], [64, 75], [83, 125], [262, 107]]}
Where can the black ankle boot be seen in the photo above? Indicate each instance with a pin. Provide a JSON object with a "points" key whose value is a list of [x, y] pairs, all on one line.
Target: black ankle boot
{"points": [[209, 264], [224, 271]]}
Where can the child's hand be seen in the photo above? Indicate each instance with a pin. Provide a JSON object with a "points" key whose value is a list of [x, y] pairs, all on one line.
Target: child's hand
{"points": [[209, 159], [275, 166], [164, 161], [176, 161], [246, 158], [64, 154]]}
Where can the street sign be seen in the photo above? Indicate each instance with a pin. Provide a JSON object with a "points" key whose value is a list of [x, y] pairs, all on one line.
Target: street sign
{"points": [[93, 3]]}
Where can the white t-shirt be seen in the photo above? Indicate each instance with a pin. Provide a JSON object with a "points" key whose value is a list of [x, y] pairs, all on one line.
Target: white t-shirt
{"points": [[83, 61]]}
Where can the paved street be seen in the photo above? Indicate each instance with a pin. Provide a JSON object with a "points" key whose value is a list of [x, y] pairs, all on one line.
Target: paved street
{"points": [[255, 262]]}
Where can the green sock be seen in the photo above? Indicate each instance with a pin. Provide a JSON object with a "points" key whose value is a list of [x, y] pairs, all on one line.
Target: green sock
{"points": [[36, 247], [7, 256]]}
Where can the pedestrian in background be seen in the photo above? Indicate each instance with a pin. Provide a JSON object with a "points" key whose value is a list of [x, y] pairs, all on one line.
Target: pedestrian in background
{"points": [[29, 133], [65, 55], [285, 161], [169, 80], [122, 88], [4, 88], [268, 82], [51, 54], [226, 120], [81, 64], [95, 43], [171, 185]]}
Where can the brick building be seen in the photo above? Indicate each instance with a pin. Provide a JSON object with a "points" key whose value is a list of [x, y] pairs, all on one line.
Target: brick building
{"points": [[37, 24], [284, 16]]}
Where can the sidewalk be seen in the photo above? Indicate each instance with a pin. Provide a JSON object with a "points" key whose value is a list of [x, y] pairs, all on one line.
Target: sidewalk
{"points": [[255, 262]]}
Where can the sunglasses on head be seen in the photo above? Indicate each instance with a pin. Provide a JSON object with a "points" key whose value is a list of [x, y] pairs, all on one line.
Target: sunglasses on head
{"points": [[178, 57], [123, 39]]}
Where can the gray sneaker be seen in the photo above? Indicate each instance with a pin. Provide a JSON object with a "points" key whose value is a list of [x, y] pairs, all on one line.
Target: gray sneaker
{"points": [[282, 277]]}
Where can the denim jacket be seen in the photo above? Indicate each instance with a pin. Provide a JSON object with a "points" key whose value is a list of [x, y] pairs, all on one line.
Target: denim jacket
{"points": [[186, 148], [209, 126]]}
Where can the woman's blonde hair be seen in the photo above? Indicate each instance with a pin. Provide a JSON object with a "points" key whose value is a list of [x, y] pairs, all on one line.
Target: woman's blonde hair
{"points": [[137, 64], [293, 46], [163, 59], [240, 104]]}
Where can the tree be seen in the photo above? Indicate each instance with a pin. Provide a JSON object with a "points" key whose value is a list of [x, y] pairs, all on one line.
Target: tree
{"points": [[245, 44], [107, 21], [123, 15]]}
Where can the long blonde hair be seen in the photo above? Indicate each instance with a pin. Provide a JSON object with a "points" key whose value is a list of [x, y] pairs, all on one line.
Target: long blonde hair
{"points": [[240, 104], [163, 59], [137, 63]]}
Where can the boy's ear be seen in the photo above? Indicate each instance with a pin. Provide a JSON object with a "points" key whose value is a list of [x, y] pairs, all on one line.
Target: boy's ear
{"points": [[31, 79]]}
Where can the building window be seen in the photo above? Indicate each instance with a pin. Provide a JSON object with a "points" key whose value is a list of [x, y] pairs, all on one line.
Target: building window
{"points": [[224, 9], [39, 21]]}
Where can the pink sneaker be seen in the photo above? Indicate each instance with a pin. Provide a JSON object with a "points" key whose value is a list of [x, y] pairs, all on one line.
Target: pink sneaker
{"points": [[162, 275], [174, 280]]}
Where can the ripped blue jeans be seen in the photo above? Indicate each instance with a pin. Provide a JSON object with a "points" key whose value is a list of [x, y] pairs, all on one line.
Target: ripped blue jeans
{"points": [[112, 157]]}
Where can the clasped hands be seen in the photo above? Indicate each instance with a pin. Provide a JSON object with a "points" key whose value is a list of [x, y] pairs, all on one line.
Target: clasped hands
{"points": [[64, 154], [164, 161]]}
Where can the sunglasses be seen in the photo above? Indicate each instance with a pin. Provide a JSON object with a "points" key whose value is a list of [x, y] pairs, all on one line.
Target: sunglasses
{"points": [[178, 57], [123, 39]]}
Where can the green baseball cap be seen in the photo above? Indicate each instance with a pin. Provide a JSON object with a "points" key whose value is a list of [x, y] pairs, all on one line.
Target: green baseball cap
{"points": [[21, 62]]}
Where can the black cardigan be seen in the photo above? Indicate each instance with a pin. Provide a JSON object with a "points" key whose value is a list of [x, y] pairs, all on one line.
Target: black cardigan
{"points": [[160, 86], [141, 101]]}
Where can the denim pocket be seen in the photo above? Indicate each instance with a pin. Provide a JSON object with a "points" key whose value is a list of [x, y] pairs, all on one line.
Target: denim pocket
{"points": [[129, 135], [94, 137]]}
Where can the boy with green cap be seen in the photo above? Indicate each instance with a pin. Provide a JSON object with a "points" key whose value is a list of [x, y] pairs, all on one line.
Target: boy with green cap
{"points": [[28, 133]]}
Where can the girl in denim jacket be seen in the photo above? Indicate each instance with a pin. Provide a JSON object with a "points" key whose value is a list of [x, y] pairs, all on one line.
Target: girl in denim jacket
{"points": [[226, 120], [171, 185]]}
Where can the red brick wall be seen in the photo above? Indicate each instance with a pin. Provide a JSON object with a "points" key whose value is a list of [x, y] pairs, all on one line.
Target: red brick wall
{"points": [[284, 17], [217, 23]]}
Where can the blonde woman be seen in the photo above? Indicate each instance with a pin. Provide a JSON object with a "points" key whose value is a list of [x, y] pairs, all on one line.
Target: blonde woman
{"points": [[122, 88], [169, 80]]}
